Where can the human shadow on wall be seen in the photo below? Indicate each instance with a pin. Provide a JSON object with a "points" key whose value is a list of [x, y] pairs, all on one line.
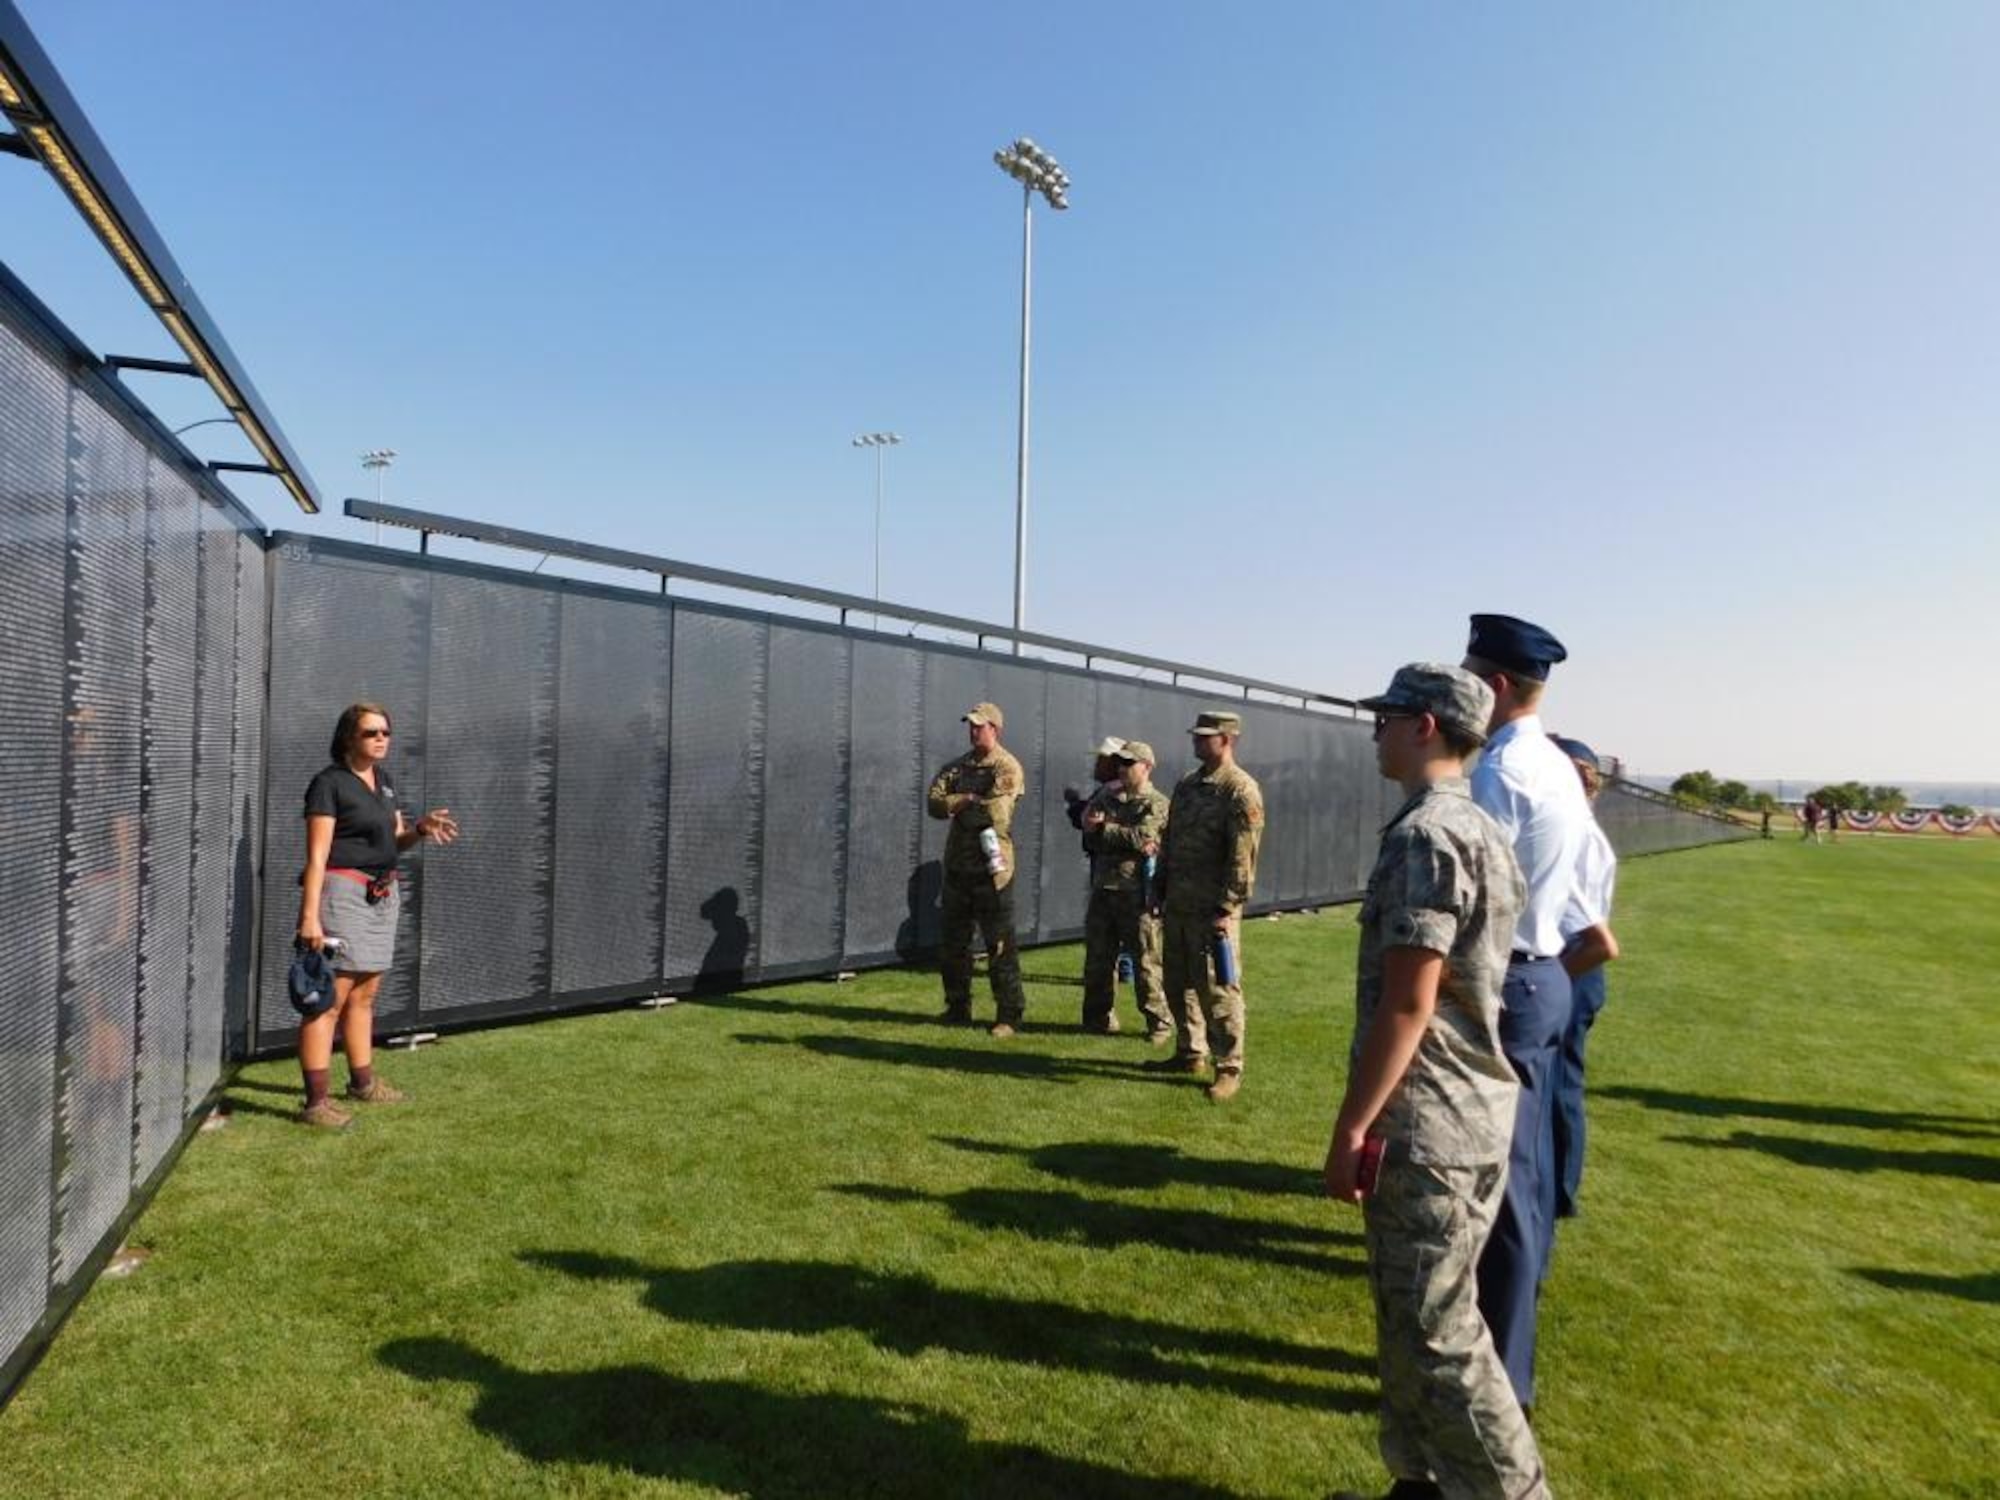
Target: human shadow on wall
{"points": [[737, 1438], [1844, 1158], [1127, 1164], [1721, 1107], [1070, 1219], [1980, 1286], [917, 935], [728, 952], [910, 1315]]}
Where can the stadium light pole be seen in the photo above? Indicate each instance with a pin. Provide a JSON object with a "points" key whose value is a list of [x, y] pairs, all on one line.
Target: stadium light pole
{"points": [[880, 442], [1037, 172], [378, 459]]}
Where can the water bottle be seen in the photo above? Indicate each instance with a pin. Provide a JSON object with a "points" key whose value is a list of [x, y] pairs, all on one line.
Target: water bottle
{"points": [[1124, 967], [989, 845], [1146, 874], [1225, 960]]}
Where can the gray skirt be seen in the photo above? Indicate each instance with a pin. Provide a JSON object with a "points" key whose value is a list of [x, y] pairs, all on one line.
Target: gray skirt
{"points": [[368, 932]]}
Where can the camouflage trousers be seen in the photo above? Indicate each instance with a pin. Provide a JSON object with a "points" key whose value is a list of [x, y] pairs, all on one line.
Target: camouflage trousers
{"points": [[1448, 1410], [967, 903], [1208, 1014], [1115, 920]]}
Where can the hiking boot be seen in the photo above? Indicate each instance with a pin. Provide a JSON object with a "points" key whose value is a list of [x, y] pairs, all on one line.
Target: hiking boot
{"points": [[1164, 1037], [1000, 1031], [1101, 1025], [1195, 1063], [950, 1016], [326, 1115], [1224, 1088], [377, 1092]]}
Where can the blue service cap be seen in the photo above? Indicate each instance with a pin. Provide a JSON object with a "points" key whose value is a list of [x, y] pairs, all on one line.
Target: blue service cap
{"points": [[1578, 751], [1516, 645], [310, 980]]}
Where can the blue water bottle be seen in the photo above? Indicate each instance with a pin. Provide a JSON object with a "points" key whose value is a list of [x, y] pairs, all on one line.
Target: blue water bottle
{"points": [[1225, 960], [1124, 967], [1146, 873]]}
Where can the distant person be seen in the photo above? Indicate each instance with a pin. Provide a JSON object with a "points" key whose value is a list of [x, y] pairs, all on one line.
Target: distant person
{"points": [[1588, 945], [1207, 870], [1531, 790], [1122, 826], [977, 793], [1103, 772], [351, 894], [1431, 1099], [1809, 821], [1831, 817]]}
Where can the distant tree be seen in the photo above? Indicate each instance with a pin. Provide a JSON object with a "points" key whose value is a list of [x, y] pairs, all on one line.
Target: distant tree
{"points": [[1886, 799], [1698, 787], [1956, 810], [1762, 802], [1848, 796], [1732, 794]]}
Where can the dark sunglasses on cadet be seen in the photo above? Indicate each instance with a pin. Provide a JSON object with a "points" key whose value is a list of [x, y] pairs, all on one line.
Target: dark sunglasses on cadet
{"points": [[1382, 721]]}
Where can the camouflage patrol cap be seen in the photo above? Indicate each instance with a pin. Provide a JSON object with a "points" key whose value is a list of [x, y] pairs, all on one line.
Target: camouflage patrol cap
{"points": [[985, 713], [1138, 750], [1221, 722], [1451, 695], [1110, 745]]}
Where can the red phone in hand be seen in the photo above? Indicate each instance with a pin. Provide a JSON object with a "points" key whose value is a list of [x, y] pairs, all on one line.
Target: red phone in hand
{"points": [[1370, 1166]]}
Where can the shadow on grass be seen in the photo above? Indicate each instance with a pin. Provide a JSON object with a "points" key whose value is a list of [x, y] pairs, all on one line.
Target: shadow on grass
{"points": [[995, 1059], [1068, 1219], [1120, 1164], [1972, 1127], [741, 1439], [824, 1010], [1066, 981], [910, 1314], [1843, 1158], [1980, 1286]]}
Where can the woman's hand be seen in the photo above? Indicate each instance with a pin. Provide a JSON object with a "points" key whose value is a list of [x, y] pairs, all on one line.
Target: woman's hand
{"points": [[438, 825], [1343, 1166], [311, 934]]}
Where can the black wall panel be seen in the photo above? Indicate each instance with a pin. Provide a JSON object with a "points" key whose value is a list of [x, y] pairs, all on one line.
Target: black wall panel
{"points": [[215, 795], [1062, 873], [348, 627], [611, 793], [167, 814], [805, 798], [891, 894], [246, 819], [491, 739], [715, 806], [101, 832], [34, 441]]}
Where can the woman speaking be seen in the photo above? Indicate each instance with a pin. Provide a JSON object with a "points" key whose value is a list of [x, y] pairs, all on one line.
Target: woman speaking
{"points": [[354, 833]]}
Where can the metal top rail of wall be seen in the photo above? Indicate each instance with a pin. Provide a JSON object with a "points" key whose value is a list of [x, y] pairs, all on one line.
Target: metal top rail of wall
{"points": [[428, 524]]}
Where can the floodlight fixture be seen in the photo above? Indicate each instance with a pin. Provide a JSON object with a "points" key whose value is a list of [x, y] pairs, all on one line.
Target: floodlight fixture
{"points": [[879, 441], [53, 129]]}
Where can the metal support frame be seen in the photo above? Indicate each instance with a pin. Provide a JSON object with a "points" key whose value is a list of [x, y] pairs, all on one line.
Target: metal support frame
{"points": [[427, 524], [116, 362]]}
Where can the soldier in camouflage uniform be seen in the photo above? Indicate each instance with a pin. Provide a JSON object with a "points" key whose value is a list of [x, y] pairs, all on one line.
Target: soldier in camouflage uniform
{"points": [[977, 792], [1422, 1137], [1122, 825], [1207, 869]]}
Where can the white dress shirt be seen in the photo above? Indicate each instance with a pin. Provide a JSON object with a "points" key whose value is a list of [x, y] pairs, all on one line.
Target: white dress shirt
{"points": [[1533, 792], [1596, 874]]}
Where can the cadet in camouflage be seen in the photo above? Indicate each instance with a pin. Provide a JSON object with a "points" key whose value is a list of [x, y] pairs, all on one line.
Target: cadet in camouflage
{"points": [[1122, 825], [1430, 1099], [977, 792], [1207, 871]]}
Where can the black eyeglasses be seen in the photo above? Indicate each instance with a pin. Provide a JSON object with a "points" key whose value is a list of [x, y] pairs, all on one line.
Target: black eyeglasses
{"points": [[1382, 721], [372, 734]]}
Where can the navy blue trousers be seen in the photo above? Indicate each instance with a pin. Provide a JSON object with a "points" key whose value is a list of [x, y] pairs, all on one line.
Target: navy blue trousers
{"points": [[1534, 1016], [1589, 991]]}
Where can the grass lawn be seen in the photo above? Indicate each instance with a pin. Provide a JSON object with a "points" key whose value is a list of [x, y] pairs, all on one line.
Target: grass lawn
{"points": [[803, 1242]]}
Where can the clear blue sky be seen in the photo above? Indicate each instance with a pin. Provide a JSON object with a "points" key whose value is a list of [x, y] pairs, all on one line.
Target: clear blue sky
{"points": [[1674, 327]]}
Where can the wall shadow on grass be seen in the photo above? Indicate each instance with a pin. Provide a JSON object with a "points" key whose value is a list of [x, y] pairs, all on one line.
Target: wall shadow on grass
{"points": [[1125, 1164], [823, 1010], [1844, 1158], [744, 1440], [994, 1059], [1069, 1219], [1720, 1107], [908, 1315], [1980, 1286]]}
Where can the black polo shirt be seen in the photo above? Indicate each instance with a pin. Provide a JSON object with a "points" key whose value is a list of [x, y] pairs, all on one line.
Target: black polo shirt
{"points": [[364, 822]]}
